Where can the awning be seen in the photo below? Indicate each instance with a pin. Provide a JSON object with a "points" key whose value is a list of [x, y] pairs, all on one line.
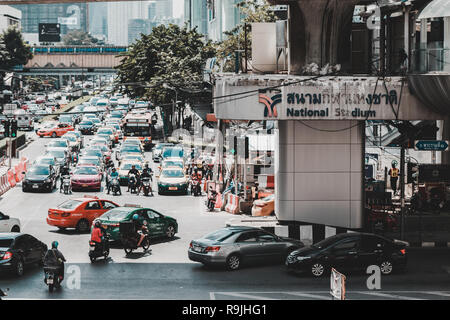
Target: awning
{"points": [[436, 9]]}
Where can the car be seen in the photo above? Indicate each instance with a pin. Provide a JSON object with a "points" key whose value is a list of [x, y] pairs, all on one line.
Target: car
{"points": [[86, 127], [264, 206], [172, 179], [172, 152], [66, 118], [86, 178], [94, 152], [104, 149], [38, 178], [90, 161], [125, 166], [62, 144], [349, 251], [171, 162], [73, 141], [18, 250], [158, 224], [235, 245], [109, 132], [48, 161], [79, 136], [8, 224], [132, 141], [100, 140], [79, 213], [135, 157], [54, 131], [135, 149], [157, 150], [61, 156], [97, 122]]}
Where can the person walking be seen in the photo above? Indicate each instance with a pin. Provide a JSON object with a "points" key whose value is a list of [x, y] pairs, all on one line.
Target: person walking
{"points": [[393, 174]]}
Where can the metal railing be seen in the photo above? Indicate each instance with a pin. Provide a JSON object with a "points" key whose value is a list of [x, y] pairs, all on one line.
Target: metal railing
{"points": [[430, 60]]}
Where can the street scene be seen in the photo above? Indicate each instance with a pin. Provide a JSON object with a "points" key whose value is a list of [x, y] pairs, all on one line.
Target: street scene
{"points": [[215, 150]]}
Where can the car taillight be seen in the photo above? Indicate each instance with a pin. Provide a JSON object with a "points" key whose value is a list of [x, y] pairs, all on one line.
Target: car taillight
{"points": [[190, 245], [7, 255], [403, 251], [212, 249], [65, 214]]}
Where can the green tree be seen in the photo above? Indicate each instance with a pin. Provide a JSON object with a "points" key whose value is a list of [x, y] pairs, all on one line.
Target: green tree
{"points": [[79, 38], [252, 11], [13, 51], [169, 57]]}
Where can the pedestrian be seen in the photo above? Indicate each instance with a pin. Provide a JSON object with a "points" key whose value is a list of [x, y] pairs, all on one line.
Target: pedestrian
{"points": [[393, 174]]}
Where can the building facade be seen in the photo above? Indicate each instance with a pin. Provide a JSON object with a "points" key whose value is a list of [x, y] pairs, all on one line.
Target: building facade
{"points": [[9, 17]]}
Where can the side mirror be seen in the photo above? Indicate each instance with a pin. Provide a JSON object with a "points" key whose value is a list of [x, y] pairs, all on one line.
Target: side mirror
{"points": [[5, 217]]}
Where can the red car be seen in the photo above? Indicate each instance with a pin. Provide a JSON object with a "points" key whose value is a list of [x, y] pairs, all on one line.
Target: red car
{"points": [[54, 131], [86, 177], [78, 213]]}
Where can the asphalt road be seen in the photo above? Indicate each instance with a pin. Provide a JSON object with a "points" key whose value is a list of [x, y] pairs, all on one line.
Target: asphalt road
{"points": [[167, 273]]}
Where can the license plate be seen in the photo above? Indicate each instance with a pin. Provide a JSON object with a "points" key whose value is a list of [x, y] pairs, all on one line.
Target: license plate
{"points": [[49, 281], [35, 186], [173, 188], [85, 185], [197, 249]]}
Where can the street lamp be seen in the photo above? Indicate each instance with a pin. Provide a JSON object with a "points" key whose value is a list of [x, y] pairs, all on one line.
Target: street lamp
{"points": [[166, 86]]}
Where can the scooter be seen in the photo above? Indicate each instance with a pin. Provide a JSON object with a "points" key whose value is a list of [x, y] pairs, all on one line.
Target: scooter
{"points": [[96, 251], [115, 186], [51, 279], [66, 185], [211, 202], [195, 188], [146, 186], [132, 183], [130, 244]]}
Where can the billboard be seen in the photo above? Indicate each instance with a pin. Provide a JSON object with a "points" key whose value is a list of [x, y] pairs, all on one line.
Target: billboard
{"points": [[49, 32]]}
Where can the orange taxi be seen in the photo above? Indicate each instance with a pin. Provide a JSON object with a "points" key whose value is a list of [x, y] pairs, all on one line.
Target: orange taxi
{"points": [[55, 130], [79, 213]]}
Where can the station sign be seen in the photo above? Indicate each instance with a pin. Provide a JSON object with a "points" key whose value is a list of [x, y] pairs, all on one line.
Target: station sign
{"points": [[49, 32], [431, 145]]}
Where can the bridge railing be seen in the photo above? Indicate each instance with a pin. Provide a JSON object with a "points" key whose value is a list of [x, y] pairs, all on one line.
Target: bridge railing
{"points": [[78, 49]]}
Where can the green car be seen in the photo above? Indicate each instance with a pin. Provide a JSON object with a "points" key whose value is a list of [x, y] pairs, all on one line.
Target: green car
{"points": [[158, 224]]}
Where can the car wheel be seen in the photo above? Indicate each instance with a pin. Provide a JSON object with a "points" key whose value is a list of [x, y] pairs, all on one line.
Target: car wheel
{"points": [[234, 262], [170, 231], [15, 229], [386, 267], [83, 226], [19, 268], [317, 269], [54, 135]]}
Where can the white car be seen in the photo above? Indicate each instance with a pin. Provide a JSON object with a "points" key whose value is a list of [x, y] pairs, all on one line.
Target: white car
{"points": [[8, 224]]}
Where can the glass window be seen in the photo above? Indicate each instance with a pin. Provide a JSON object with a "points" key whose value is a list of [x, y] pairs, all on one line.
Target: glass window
{"points": [[266, 237], [371, 243], [247, 237], [219, 235], [69, 204], [5, 243], [346, 245], [108, 205], [93, 205]]}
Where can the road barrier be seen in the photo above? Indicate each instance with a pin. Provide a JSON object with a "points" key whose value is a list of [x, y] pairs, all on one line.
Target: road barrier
{"points": [[232, 204], [4, 184], [13, 176], [266, 181]]}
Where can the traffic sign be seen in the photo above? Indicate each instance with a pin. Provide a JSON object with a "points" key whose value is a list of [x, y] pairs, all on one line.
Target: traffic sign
{"points": [[431, 145]]}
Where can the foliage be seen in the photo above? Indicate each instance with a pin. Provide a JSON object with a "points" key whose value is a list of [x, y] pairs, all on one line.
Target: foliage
{"points": [[78, 38], [252, 11], [13, 50]]}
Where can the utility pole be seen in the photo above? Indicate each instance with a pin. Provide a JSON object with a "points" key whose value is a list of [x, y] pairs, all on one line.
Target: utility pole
{"points": [[402, 191]]}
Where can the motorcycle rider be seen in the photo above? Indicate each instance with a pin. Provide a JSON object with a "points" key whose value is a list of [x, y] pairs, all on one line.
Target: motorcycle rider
{"points": [[113, 175], [97, 235], [64, 172], [194, 177], [140, 229], [109, 168], [146, 174], [212, 197], [134, 171], [54, 258]]}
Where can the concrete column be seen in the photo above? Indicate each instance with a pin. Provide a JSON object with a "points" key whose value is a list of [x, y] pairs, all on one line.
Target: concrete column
{"points": [[423, 46], [446, 53]]}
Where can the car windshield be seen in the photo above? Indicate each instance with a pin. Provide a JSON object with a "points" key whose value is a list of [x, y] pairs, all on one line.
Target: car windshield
{"points": [[57, 154], [104, 131], [6, 243], [96, 120], [86, 170], [46, 160], [130, 148], [58, 144], [86, 123], [172, 164], [133, 157], [116, 214], [219, 235], [127, 166], [42, 171], [327, 242], [70, 138], [89, 161], [65, 118], [93, 152], [173, 152], [172, 173], [69, 204]]}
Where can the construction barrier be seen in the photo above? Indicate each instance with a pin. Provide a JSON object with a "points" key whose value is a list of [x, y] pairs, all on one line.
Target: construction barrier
{"points": [[218, 201], [18, 172], [11, 178], [232, 204], [266, 182], [4, 184]]}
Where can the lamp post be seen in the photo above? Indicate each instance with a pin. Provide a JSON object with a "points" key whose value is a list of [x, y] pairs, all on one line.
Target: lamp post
{"points": [[166, 86]]}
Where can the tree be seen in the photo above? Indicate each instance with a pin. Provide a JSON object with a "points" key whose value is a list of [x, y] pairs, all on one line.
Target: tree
{"points": [[253, 11], [169, 57], [79, 38], [13, 51]]}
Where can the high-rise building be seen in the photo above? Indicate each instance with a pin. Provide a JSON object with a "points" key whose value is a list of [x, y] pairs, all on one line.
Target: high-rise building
{"points": [[223, 15], [138, 26], [196, 15], [119, 14], [98, 19], [9, 17]]}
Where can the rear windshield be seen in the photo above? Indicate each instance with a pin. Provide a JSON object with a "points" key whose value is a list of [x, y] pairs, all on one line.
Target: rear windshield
{"points": [[116, 214], [86, 170], [58, 144], [5, 243], [127, 166], [172, 173], [219, 235], [70, 204], [86, 123], [40, 170]]}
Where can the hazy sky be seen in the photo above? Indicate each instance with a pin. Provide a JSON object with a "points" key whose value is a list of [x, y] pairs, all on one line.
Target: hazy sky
{"points": [[178, 6]]}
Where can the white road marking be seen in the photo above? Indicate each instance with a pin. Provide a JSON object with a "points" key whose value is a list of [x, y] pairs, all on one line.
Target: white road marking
{"points": [[437, 293], [245, 295], [308, 295], [387, 295]]}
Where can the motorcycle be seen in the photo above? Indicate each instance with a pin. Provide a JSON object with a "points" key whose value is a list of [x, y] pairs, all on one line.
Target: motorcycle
{"points": [[211, 202], [96, 251], [132, 183], [51, 279], [146, 186], [128, 238], [66, 185], [115, 186], [195, 188]]}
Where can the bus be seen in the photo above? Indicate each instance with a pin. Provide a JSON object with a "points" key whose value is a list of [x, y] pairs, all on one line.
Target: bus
{"points": [[139, 125]]}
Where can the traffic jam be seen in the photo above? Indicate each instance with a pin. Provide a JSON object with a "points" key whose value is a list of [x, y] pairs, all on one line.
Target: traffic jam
{"points": [[111, 145]]}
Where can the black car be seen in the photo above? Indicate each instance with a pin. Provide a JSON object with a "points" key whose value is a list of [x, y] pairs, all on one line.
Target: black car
{"points": [[40, 178], [18, 250], [349, 251], [86, 127]]}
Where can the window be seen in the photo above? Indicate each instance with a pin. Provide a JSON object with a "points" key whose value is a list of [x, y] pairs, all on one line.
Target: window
{"points": [[247, 237], [108, 205], [346, 245], [370, 243], [2, 216], [266, 237], [93, 205]]}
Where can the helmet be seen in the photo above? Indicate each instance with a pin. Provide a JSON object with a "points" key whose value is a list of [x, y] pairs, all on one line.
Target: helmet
{"points": [[135, 216], [97, 224], [55, 245]]}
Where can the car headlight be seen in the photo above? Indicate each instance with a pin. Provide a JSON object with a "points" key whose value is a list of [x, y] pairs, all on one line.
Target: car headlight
{"points": [[300, 258], [48, 180]]}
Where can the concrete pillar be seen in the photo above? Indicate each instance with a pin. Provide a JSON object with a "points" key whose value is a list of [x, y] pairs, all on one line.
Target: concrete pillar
{"points": [[446, 53], [423, 46]]}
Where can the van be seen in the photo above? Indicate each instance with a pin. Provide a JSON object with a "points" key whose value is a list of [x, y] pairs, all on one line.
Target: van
{"points": [[24, 120]]}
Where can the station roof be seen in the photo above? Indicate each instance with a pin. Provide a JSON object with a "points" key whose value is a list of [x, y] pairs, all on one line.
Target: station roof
{"points": [[436, 9]]}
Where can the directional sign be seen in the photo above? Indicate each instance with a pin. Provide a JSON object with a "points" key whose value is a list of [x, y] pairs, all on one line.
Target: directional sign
{"points": [[431, 145]]}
